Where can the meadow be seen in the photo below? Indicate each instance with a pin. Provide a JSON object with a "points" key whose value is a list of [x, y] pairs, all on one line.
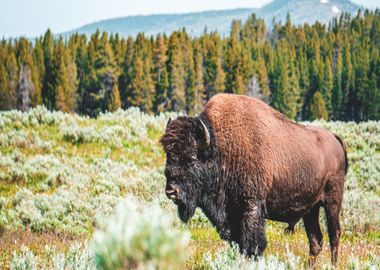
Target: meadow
{"points": [[82, 193]]}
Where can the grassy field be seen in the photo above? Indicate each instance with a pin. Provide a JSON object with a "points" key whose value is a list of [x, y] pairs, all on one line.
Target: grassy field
{"points": [[62, 177]]}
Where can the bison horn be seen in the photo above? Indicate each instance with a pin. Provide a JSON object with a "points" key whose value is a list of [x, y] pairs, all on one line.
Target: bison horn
{"points": [[167, 124], [205, 136]]}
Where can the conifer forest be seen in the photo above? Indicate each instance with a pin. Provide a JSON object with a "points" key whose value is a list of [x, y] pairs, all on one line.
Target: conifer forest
{"points": [[308, 72]]}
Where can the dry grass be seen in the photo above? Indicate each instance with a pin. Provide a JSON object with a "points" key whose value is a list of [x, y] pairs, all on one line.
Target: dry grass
{"points": [[11, 241]]}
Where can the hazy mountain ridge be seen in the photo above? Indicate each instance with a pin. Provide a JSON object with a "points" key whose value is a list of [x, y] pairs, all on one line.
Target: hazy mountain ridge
{"points": [[301, 11], [195, 23]]}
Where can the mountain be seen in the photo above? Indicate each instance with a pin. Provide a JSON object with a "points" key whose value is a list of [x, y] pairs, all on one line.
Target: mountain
{"points": [[301, 11], [306, 11], [195, 23]]}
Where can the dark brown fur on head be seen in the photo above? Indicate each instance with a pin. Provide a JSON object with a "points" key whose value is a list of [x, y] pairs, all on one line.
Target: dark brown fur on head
{"points": [[179, 138], [189, 156]]}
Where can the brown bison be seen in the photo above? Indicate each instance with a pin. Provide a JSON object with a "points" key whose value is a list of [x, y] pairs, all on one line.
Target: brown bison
{"points": [[242, 162]]}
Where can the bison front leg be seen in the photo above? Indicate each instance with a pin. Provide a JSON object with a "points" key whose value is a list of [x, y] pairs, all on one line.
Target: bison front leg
{"points": [[253, 240]]}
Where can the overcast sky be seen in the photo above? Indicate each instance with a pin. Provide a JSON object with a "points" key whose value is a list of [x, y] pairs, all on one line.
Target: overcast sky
{"points": [[33, 17]]}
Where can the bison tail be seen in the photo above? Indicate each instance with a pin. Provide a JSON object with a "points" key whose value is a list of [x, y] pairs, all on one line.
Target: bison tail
{"points": [[345, 151]]}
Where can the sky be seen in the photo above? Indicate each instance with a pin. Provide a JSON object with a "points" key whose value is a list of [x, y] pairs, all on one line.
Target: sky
{"points": [[32, 17]]}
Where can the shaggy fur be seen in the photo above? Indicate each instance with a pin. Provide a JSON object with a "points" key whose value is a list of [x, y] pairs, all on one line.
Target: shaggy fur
{"points": [[258, 165]]}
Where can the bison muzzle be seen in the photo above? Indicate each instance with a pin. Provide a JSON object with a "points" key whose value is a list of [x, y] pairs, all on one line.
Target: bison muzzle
{"points": [[243, 162]]}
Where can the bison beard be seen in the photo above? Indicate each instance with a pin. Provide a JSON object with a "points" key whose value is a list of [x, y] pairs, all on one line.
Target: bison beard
{"points": [[242, 162], [187, 203], [186, 210]]}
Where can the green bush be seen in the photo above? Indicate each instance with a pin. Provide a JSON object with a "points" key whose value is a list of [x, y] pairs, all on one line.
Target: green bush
{"points": [[140, 236]]}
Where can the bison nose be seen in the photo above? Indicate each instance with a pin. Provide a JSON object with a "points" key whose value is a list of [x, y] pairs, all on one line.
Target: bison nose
{"points": [[171, 192]]}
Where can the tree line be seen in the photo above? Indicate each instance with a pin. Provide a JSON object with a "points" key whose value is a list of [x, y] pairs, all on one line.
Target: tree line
{"points": [[307, 72]]}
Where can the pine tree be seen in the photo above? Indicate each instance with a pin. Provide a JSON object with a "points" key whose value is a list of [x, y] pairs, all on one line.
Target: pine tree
{"points": [[102, 75], [285, 84], [65, 78], [115, 102], [219, 85], [48, 95], [318, 107], [189, 72], [141, 91], [328, 85], [234, 78], [39, 67], [200, 94], [347, 80], [126, 73], [362, 83], [176, 74], [336, 96], [264, 80], [160, 73], [135, 95], [8, 77]]}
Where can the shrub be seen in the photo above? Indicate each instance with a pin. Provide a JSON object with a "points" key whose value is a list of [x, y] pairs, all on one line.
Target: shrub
{"points": [[76, 258], [24, 260], [140, 236]]}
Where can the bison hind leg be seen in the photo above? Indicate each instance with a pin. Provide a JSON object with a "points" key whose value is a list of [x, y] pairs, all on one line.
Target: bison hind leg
{"points": [[332, 205]]}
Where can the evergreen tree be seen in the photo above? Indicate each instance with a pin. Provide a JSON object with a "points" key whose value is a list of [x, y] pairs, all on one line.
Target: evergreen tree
{"points": [[65, 79], [141, 90], [200, 94], [264, 80], [347, 80], [48, 95], [126, 73], [102, 75], [234, 79], [219, 86], [8, 77], [161, 74], [336, 95], [39, 67], [115, 102], [285, 84], [190, 76], [176, 74], [318, 107], [328, 84]]}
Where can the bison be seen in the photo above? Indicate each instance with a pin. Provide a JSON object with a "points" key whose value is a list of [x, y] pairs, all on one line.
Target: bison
{"points": [[243, 162]]}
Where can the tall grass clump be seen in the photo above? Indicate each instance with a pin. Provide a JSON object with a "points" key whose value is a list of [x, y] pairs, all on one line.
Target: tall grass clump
{"points": [[140, 236]]}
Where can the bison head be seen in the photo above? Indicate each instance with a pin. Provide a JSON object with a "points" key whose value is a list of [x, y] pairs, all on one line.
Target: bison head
{"points": [[188, 162]]}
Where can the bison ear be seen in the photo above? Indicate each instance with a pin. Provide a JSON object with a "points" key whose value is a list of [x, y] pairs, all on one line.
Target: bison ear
{"points": [[203, 136]]}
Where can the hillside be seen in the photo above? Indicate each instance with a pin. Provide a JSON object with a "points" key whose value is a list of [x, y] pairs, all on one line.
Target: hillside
{"points": [[301, 11]]}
